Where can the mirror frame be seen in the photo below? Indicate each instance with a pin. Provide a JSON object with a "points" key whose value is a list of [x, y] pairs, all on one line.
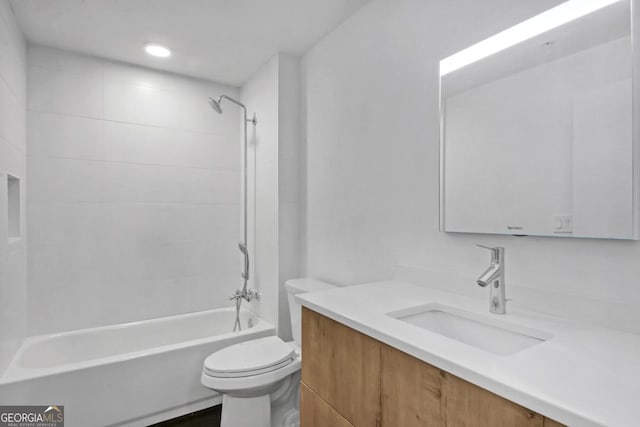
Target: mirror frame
{"points": [[635, 146]]}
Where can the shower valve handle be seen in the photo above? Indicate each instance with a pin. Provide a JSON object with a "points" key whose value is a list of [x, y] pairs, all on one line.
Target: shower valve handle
{"points": [[236, 296]]}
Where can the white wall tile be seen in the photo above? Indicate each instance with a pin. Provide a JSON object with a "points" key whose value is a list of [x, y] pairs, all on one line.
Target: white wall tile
{"points": [[12, 54], [63, 266], [13, 283], [52, 179], [125, 182], [125, 142], [65, 61], [91, 306], [12, 117], [143, 103], [55, 179], [61, 92], [73, 137], [134, 200], [80, 224], [13, 159], [6, 13]]}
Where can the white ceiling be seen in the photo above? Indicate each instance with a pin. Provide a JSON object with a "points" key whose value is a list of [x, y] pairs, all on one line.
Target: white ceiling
{"points": [[221, 40]]}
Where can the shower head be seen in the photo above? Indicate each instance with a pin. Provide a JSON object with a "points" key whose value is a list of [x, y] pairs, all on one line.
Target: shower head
{"points": [[216, 105]]}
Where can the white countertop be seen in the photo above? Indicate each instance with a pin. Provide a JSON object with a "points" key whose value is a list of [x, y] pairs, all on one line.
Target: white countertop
{"points": [[583, 376]]}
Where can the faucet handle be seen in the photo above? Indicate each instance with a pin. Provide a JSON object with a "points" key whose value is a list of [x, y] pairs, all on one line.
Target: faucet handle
{"points": [[495, 251], [236, 296], [485, 247]]}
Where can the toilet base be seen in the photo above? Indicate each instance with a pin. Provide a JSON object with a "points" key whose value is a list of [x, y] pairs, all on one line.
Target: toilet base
{"points": [[279, 408], [246, 411]]}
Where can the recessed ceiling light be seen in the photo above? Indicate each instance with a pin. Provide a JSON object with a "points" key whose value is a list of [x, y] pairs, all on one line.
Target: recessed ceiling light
{"points": [[155, 49]]}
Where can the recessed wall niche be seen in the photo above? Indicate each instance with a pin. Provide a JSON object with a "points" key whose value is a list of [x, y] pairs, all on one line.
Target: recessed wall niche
{"points": [[13, 206]]}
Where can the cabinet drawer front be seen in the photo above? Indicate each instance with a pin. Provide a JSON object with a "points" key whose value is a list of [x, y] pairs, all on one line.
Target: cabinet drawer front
{"points": [[342, 366], [411, 391], [315, 412], [468, 405]]}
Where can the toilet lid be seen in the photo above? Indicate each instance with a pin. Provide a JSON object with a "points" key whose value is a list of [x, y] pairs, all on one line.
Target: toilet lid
{"points": [[250, 358]]}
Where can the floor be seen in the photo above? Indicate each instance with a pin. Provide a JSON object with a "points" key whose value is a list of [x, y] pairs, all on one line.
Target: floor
{"points": [[209, 417]]}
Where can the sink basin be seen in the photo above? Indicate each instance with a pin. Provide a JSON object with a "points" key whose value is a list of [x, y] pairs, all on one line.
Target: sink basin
{"points": [[493, 335]]}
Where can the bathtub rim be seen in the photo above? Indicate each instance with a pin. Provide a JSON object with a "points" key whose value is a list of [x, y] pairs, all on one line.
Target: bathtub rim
{"points": [[15, 373]]}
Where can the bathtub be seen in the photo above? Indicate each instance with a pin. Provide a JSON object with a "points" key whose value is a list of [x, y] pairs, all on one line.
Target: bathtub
{"points": [[132, 374]]}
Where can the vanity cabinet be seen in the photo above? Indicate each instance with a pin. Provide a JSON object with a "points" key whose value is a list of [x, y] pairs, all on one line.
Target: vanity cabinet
{"points": [[350, 379]]}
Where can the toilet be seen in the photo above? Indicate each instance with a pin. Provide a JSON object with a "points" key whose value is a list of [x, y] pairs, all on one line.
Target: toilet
{"points": [[260, 379]]}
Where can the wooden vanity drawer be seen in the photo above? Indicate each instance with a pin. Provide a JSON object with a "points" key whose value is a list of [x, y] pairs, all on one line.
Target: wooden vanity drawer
{"points": [[315, 412], [342, 366], [465, 404], [411, 391]]}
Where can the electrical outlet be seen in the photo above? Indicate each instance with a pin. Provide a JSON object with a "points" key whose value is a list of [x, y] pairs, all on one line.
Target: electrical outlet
{"points": [[562, 223]]}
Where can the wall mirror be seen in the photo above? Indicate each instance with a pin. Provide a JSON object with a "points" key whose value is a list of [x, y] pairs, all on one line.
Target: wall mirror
{"points": [[537, 127]]}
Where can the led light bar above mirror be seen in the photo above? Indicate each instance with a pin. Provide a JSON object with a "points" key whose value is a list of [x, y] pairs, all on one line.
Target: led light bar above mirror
{"points": [[539, 24]]}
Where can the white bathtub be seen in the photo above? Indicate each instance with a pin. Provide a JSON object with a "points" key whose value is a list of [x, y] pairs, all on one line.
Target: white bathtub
{"points": [[132, 374]]}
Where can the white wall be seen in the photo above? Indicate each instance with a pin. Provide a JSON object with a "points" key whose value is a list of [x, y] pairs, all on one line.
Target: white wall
{"points": [[13, 282], [273, 94], [133, 199], [288, 184], [372, 154]]}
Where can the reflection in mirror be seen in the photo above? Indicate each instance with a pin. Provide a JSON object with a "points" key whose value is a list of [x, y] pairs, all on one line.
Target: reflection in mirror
{"points": [[537, 127]]}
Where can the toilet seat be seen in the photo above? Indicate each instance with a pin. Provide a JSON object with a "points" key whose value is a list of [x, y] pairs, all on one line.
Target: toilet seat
{"points": [[250, 358], [247, 373], [259, 370], [237, 385]]}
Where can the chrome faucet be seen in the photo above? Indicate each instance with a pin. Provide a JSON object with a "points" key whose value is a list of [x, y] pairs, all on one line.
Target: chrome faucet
{"points": [[248, 295], [494, 277]]}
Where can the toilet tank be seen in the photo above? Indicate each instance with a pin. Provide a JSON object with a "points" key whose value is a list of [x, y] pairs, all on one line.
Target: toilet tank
{"points": [[298, 286]]}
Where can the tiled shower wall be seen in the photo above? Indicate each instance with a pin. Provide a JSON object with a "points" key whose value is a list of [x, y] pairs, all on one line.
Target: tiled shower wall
{"points": [[13, 282], [133, 196]]}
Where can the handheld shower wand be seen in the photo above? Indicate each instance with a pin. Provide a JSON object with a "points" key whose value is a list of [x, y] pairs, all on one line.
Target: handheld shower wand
{"points": [[245, 273]]}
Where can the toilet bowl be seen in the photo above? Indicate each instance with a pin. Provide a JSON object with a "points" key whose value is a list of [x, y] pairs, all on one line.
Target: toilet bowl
{"points": [[260, 379]]}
